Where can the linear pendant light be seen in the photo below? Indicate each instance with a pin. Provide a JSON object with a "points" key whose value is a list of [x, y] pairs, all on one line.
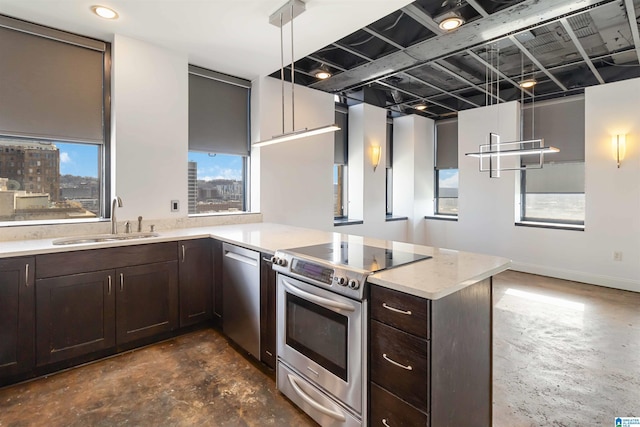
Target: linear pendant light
{"points": [[283, 15]]}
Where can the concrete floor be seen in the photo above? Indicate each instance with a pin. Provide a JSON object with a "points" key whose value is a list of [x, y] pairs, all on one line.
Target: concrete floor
{"points": [[565, 354]]}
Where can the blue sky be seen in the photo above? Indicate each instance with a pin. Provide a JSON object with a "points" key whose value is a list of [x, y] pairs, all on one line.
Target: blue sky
{"points": [[82, 160], [78, 159]]}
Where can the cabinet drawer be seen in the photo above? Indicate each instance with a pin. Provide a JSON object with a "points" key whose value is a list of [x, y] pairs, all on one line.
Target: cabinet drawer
{"points": [[388, 410], [399, 363], [65, 263], [406, 312]]}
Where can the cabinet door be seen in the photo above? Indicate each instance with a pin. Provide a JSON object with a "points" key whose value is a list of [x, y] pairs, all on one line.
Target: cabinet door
{"points": [[217, 281], [196, 277], [17, 326], [146, 300], [74, 315], [267, 312]]}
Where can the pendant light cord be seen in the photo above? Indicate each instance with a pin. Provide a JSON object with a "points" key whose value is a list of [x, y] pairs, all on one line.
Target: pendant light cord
{"points": [[293, 76], [282, 69]]}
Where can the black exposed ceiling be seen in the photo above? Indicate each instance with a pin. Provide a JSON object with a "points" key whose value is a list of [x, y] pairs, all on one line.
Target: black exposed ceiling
{"points": [[404, 59]]}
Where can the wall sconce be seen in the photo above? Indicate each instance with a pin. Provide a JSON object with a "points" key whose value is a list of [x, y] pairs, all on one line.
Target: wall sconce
{"points": [[376, 152], [619, 147]]}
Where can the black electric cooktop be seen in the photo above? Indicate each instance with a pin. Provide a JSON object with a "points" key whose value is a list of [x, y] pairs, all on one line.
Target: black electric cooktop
{"points": [[362, 257]]}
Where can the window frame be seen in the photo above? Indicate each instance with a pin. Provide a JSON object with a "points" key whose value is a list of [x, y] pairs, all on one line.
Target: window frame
{"points": [[342, 193], [437, 196]]}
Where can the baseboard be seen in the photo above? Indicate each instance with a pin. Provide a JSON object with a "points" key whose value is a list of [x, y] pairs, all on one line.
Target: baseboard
{"points": [[578, 276]]}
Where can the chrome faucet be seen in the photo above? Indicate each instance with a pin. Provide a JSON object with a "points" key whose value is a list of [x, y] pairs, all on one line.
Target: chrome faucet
{"points": [[114, 224]]}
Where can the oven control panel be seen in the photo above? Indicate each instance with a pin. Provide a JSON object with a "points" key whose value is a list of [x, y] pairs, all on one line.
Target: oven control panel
{"points": [[345, 281]]}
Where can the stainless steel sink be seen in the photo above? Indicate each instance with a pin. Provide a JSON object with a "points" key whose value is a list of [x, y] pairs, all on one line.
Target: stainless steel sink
{"points": [[102, 238]]}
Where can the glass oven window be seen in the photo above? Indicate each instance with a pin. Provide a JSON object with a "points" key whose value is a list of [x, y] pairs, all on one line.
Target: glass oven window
{"points": [[318, 333]]}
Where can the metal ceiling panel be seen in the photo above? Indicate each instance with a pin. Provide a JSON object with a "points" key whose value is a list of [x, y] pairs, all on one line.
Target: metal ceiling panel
{"points": [[402, 29]]}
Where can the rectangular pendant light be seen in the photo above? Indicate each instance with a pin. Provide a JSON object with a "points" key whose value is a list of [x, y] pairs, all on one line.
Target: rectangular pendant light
{"points": [[298, 134]]}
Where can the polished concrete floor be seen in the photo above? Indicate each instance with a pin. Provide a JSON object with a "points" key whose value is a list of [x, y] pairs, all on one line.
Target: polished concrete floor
{"points": [[565, 354]]}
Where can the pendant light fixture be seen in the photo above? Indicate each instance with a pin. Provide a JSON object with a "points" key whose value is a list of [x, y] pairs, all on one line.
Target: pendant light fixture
{"points": [[281, 17], [490, 155]]}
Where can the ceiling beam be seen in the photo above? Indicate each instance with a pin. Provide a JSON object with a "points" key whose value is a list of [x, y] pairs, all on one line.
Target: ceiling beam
{"points": [[422, 18], [353, 52], [474, 4], [439, 89], [583, 53], [522, 16], [497, 71], [537, 63], [465, 81], [329, 63], [633, 23], [415, 95], [383, 38]]}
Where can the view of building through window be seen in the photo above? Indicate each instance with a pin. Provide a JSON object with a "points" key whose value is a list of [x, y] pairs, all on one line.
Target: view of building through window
{"points": [[216, 183], [447, 192], [44, 180], [339, 191]]}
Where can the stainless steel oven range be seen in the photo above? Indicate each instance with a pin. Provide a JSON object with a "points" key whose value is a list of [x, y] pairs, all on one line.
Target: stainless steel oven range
{"points": [[322, 326]]}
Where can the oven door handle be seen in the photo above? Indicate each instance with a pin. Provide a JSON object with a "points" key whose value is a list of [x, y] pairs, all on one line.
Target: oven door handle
{"points": [[325, 302], [338, 416]]}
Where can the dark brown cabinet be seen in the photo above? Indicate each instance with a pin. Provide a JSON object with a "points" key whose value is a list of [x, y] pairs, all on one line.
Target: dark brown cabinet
{"points": [[430, 360], [146, 301], [100, 299], [17, 323], [75, 315], [216, 248], [195, 268], [267, 312]]}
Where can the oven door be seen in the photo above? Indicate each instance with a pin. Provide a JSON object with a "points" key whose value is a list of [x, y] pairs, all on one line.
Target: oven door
{"points": [[320, 336]]}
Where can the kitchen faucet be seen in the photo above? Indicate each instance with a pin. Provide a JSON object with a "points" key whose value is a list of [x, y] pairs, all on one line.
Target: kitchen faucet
{"points": [[114, 224]]}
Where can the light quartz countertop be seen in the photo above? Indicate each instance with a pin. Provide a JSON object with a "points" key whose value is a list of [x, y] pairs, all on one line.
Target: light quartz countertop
{"points": [[445, 273]]}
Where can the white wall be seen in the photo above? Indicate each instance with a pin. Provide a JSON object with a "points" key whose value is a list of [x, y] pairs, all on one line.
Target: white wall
{"points": [[487, 207], [150, 128], [413, 138], [366, 187], [292, 181]]}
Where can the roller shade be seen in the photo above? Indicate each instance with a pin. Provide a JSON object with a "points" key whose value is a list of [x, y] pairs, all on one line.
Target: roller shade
{"points": [[389, 145], [447, 144], [218, 113], [561, 125], [341, 137], [50, 89]]}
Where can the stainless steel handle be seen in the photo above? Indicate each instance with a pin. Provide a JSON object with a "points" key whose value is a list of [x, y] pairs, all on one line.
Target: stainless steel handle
{"points": [[399, 365], [241, 258], [121, 282], [182, 253], [396, 310], [338, 416], [327, 303], [109, 291], [26, 275], [384, 421], [265, 259]]}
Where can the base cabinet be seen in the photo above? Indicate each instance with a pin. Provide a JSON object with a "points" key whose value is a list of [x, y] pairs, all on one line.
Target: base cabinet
{"points": [[268, 281], [75, 315], [146, 301], [17, 323], [196, 281], [430, 360]]}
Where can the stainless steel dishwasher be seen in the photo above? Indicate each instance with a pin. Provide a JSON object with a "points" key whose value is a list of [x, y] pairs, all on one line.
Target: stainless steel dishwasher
{"points": [[241, 297]]}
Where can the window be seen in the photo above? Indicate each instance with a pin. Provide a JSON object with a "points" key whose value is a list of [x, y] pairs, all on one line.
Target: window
{"points": [[446, 168], [340, 157], [218, 142], [58, 112], [389, 171], [555, 193]]}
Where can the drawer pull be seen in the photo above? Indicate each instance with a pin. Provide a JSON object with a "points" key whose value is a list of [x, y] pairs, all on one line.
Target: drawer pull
{"points": [[26, 275], [384, 421], [399, 365], [396, 310], [109, 291]]}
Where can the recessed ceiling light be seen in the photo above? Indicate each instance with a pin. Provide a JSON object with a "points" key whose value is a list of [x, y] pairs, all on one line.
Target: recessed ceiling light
{"points": [[451, 22], [322, 74], [104, 12], [420, 107], [529, 83]]}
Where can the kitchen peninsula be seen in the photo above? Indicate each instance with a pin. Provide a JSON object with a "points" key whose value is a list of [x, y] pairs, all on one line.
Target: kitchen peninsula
{"points": [[447, 346]]}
